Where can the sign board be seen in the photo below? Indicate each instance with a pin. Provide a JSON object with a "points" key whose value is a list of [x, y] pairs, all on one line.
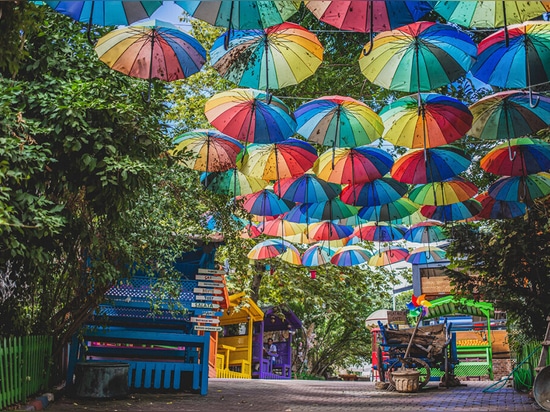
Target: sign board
{"points": [[210, 297], [204, 305], [207, 291], [208, 328], [213, 278], [204, 320], [396, 316], [210, 285], [212, 271], [204, 312]]}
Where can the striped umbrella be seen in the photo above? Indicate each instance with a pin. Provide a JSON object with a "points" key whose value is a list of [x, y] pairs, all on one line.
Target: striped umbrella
{"points": [[266, 203], [443, 193], [518, 157], [499, 209], [268, 249], [389, 212], [379, 232], [327, 230], [378, 192], [425, 232], [388, 256], [350, 256], [232, 182], [307, 188], [453, 212], [521, 188], [426, 254], [317, 255]]}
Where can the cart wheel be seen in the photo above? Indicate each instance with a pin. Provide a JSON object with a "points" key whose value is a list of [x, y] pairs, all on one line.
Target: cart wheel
{"points": [[410, 363]]}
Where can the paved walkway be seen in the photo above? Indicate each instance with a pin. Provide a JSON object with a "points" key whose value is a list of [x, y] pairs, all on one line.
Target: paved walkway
{"points": [[227, 395]]}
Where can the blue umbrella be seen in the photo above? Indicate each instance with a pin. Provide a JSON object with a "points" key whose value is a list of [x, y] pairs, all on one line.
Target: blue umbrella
{"points": [[453, 212], [378, 192], [307, 188], [106, 13], [266, 203]]}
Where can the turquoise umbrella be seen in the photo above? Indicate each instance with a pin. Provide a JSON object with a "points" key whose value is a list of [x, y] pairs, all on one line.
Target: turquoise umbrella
{"points": [[241, 14]]}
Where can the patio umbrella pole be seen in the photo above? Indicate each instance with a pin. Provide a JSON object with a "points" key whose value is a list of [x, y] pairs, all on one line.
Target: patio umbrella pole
{"points": [[148, 100]]}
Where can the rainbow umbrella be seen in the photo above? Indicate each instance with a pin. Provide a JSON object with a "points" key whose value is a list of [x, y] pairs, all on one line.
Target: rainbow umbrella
{"points": [[436, 164], [499, 209], [331, 209], [106, 13], [241, 14], [425, 232], [268, 249], [307, 188], [272, 58], [232, 182], [250, 231], [389, 212], [250, 116], [389, 256], [338, 121], [350, 166], [516, 58], [350, 256], [291, 255], [518, 157], [266, 203], [275, 161], [490, 14], [426, 254], [327, 230], [211, 150], [368, 16], [281, 228], [299, 214], [453, 212], [521, 188], [509, 114], [418, 57], [443, 193], [425, 120], [151, 50], [379, 232], [378, 192], [316, 255]]}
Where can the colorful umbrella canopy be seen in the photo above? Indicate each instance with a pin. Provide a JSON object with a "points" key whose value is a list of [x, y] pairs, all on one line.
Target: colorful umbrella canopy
{"points": [[338, 121], [329, 210], [151, 50], [212, 151], [291, 255], [521, 62], [327, 230], [426, 254], [250, 231], [106, 13], [368, 16], [418, 57], [307, 188], [316, 255], [241, 14], [378, 192], [250, 116], [443, 193], [518, 157], [278, 56], [389, 256], [379, 232], [509, 114], [275, 161], [268, 249], [389, 212], [266, 203], [490, 14], [350, 166], [280, 228], [425, 120], [232, 182], [499, 209], [453, 212], [425, 232], [436, 164], [350, 256], [521, 188], [300, 214]]}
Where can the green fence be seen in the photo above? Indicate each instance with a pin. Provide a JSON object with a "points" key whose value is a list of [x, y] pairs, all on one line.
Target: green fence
{"points": [[24, 367]]}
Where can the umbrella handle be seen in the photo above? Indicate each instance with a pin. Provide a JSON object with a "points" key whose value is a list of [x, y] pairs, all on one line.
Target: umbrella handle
{"points": [[533, 103], [371, 39], [89, 28], [510, 155], [148, 98]]}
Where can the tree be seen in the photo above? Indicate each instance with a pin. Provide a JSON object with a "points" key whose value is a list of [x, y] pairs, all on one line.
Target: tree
{"points": [[88, 191], [507, 262]]}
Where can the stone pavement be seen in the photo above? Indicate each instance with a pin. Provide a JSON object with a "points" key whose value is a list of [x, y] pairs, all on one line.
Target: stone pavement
{"points": [[228, 395]]}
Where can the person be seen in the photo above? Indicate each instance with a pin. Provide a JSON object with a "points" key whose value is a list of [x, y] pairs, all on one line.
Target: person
{"points": [[270, 350]]}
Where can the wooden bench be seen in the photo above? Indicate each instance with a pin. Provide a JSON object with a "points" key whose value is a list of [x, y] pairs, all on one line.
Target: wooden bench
{"points": [[162, 347]]}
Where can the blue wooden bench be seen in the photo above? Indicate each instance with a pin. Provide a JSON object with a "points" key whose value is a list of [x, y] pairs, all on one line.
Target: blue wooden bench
{"points": [[162, 347]]}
